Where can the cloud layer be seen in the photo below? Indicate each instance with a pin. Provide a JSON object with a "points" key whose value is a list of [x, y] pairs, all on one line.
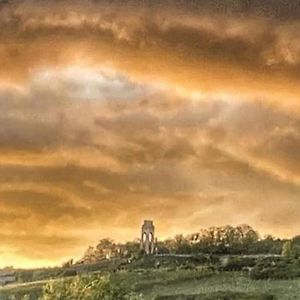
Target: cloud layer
{"points": [[111, 116]]}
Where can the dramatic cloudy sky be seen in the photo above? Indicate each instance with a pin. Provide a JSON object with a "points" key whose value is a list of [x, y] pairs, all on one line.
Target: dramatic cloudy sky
{"points": [[185, 112]]}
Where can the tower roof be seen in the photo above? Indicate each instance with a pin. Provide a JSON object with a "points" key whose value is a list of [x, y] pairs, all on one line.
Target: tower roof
{"points": [[148, 224]]}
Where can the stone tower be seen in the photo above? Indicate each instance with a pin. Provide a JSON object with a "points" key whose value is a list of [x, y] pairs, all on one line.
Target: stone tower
{"points": [[147, 239]]}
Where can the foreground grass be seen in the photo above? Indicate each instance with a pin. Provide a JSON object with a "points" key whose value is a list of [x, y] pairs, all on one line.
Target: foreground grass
{"points": [[202, 282], [218, 296], [230, 282], [34, 290]]}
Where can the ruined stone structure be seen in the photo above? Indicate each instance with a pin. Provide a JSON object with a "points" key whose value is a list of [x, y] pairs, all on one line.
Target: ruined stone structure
{"points": [[147, 238], [7, 276]]}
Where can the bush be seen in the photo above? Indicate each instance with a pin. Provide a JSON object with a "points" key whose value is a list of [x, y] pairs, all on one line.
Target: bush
{"points": [[276, 268], [237, 263], [170, 278], [68, 273], [287, 249], [84, 288]]}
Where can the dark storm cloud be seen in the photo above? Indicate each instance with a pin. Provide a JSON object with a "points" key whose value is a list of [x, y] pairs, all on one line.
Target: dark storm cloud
{"points": [[197, 50], [188, 115]]}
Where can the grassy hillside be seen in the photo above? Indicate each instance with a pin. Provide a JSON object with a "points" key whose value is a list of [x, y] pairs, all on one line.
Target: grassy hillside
{"points": [[185, 278], [162, 284]]}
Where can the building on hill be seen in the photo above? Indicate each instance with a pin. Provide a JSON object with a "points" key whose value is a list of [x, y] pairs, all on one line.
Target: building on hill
{"points": [[7, 276], [147, 237]]}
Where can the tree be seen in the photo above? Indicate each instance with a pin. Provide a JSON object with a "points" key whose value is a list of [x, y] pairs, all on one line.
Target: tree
{"points": [[105, 249], [131, 249], [85, 288], [287, 249], [89, 255], [247, 234]]}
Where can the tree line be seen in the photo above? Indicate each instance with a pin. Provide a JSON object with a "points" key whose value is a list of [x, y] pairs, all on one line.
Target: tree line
{"points": [[221, 240]]}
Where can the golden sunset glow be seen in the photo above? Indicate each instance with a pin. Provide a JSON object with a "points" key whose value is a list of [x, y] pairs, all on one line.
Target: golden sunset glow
{"points": [[111, 114]]}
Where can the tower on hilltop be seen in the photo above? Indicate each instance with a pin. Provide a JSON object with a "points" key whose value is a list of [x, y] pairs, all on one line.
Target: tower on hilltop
{"points": [[147, 239]]}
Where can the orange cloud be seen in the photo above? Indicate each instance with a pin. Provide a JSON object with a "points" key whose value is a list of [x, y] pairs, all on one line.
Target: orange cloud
{"points": [[191, 121]]}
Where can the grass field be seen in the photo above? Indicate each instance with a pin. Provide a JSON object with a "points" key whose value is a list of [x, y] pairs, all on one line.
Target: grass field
{"points": [[18, 291], [233, 282], [153, 283]]}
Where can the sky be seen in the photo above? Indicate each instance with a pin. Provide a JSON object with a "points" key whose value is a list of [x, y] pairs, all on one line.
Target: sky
{"points": [[112, 112]]}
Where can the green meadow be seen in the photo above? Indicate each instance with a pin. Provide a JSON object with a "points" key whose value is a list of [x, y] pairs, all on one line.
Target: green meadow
{"points": [[178, 280]]}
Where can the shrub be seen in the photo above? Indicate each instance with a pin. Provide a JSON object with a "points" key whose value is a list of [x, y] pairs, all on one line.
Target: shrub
{"points": [[287, 249], [237, 263], [68, 273], [170, 278], [278, 268], [84, 288]]}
